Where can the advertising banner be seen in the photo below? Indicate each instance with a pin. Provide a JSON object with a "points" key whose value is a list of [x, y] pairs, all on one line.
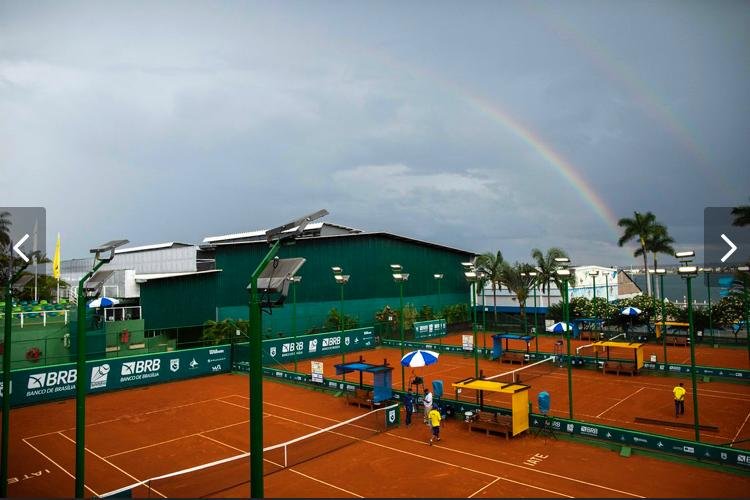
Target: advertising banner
{"points": [[429, 329], [33, 385]]}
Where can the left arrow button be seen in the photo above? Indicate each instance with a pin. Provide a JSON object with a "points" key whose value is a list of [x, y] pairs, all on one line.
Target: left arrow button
{"points": [[18, 250]]}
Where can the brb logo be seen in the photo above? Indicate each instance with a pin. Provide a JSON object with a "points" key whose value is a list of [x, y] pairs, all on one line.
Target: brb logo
{"points": [[143, 368], [331, 342], [51, 379]]}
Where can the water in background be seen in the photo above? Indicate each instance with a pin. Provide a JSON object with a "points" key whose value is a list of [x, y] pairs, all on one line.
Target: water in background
{"points": [[675, 288]]}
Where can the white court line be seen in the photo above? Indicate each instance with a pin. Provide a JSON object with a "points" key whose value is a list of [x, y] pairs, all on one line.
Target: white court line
{"points": [[740, 429], [327, 484], [538, 471], [620, 401], [57, 465], [442, 462], [166, 408], [114, 466], [175, 439], [483, 488], [222, 443]]}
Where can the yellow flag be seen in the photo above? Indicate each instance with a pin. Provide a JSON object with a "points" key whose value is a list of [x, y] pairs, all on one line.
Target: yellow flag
{"points": [[56, 260]]}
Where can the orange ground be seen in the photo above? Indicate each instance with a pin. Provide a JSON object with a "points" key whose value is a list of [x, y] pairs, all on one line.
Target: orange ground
{"points": [[607, 399], [139, 433]]}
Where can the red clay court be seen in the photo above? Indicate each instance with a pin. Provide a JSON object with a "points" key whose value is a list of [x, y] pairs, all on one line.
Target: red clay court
{"points": [[606, 399], [140, 433]]}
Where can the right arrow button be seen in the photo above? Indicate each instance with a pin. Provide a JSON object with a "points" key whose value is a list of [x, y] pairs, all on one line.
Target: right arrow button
{"points": [[732, 247]]}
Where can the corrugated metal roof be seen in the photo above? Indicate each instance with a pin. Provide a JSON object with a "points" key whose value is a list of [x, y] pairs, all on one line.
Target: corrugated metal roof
{"points": [[156, 246], [353, 235], [142, 278], [257, 234]]}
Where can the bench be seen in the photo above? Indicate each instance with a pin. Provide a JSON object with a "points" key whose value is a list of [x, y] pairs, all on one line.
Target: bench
{"points": [[360, 397], [676, 340], [589, 335], [513, 357], [492, 422], [619, 367]]}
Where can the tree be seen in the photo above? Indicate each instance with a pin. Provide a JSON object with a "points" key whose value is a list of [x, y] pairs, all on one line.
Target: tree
{"points": [[492, 266], [640, 227], [516, 279], [5, 224], [741, 215], [658, 242], [547, 267]]}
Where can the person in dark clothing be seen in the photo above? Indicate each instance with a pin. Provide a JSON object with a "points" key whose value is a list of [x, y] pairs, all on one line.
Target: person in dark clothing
{"points": [[409, 406]]}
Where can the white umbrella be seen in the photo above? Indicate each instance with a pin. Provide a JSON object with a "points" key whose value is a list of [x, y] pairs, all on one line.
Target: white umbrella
{"points": [[103, 302], [630, 311], [419, 358], [560, 327]]}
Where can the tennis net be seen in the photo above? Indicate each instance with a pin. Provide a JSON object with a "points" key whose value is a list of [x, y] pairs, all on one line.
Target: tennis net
{"points": [[525, 373], [230, 477]]}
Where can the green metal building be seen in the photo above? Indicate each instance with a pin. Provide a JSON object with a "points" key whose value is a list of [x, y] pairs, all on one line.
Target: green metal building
{"points": [[191, 299]]}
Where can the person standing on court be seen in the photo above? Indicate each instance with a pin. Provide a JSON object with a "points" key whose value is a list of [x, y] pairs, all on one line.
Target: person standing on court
{"points": [[679, 400], [434, 417], [409, 406], [427, 403]]}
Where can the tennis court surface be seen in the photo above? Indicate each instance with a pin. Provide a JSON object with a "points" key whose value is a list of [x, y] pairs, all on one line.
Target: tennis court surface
{"points": [[138, 434]]}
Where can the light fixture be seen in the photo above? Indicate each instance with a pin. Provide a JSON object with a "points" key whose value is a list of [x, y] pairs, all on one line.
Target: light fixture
{"points": [[400, 277], [471, 275], [438, 276], [341, 279], [296, 279], [743, 268], [396, 267], [595, 272], [336, 270], [467, 265], [563, 272], [562, 260], [659, 271], [533, 273], [687, 270]]}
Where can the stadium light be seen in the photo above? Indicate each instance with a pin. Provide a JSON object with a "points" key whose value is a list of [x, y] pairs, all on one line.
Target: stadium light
{"points": [[400, 277]]}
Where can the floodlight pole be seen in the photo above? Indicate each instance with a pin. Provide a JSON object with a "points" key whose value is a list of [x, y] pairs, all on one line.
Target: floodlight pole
{"points": [[566, 315], [692, 357], [663, 321], [255, 348], [710, 315], [596, 308], [474, 327], [82, 381], [747, 312], [536, 322], [294, 320], [6, 370], [401, 317], [341, 328], [606, 283]]}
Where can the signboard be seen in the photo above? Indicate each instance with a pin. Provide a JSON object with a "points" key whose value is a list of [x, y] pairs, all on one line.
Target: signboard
{"points": [[33, 385], [284, 350], [316, 369], [467, 342], [429, 329], [626, 437]]}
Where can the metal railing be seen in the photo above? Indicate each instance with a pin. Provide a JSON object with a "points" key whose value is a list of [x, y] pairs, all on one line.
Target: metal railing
{"points": [[122, 313], [26, 318]]}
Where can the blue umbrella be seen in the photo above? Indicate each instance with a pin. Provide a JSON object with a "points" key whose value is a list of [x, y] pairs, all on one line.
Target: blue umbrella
{"points": [[103, 302], [419, 358], [630, 311], [560, 327]]}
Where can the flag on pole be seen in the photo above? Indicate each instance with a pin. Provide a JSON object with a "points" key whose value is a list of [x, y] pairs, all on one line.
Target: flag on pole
{"points": [[56, 260]]}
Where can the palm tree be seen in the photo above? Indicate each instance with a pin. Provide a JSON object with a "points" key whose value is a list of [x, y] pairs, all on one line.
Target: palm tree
{"points": [[492, 266], [516, 279], [640, 227], [658, 242], [5, 224], [547, 267], [741, 215]]}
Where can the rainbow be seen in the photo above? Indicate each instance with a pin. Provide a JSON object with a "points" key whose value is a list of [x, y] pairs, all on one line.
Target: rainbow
{"points": [[571, 174]]}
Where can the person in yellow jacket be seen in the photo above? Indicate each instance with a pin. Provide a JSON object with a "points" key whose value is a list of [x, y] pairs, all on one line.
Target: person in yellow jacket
{"points": [[679, 399], [434, 418]]}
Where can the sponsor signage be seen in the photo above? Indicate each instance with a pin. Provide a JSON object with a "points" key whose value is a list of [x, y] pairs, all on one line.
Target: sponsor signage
{"points": [[724, 455], [429, 329], [59, 381], [313, 346]]}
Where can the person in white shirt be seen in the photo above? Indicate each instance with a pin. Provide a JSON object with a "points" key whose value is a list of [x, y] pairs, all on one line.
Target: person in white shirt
{"points": [[427, 403]]}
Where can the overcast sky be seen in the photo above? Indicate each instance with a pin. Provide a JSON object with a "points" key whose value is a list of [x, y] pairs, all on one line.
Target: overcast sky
{"points": [[500, 125]]}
